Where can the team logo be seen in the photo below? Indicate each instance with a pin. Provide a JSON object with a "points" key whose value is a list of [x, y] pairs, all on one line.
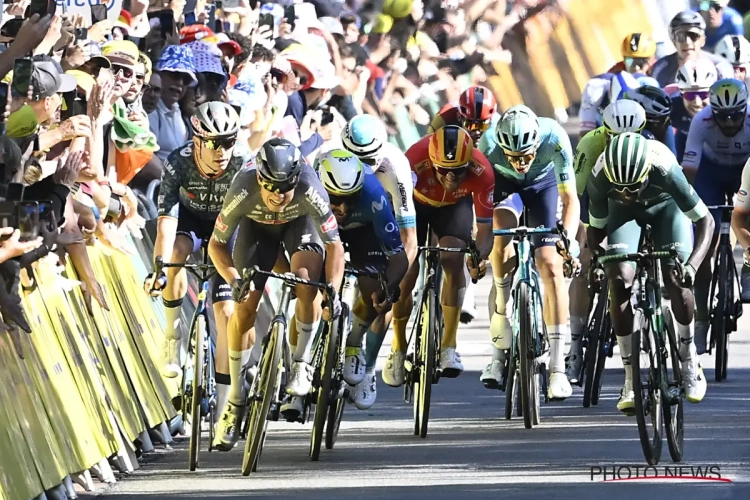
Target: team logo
{"points": [[328, 225], [220, 224]]}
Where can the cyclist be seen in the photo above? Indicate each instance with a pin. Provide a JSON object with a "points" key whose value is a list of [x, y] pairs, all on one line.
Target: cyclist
{"points": [[741, 227], [635, 182], [280, 201], [619, 117], [369, 230], [194, 181], [658, 107], [722, 21], [687, 30], [638, 51], [533, 165], [736, 50], [450, 174], [718, 145], [599, 92], [475, 111], [694, 78]]}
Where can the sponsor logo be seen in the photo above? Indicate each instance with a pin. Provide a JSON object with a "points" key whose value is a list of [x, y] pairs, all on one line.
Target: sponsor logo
{"points": [[390, 227], [614, 246], [564, 177], [402, 190], [220, 224], [329, 225], [477, 169], [742, 192], [377, 206], [421, 166], [431, 181], [306, 238], [187, 152], [233, 204], [317, 201], [189, 194], [169, 168]]}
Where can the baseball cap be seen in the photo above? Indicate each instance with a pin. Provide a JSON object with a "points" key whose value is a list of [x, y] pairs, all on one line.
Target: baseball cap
{"points": [[46, 79], [223, 40], [194, 32], [121, 52]]}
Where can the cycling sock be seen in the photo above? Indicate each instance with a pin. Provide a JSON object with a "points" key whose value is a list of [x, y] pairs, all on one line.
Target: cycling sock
{"points": [[399, 342], [577, 329], [237, 362], [305, 332], [374, 341], [558, 335], [173, 312], [498, 354], [626, 349], [223, 383], [359, 328], [687, 346], [502, 287], [451, 316]]}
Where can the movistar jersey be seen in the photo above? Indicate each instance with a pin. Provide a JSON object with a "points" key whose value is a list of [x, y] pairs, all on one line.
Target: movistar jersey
{"points": [[554, 152], [665, 180], [183, 184]]}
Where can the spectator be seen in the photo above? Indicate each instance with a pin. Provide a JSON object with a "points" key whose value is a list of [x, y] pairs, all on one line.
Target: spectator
{"points": [[720, 21]]}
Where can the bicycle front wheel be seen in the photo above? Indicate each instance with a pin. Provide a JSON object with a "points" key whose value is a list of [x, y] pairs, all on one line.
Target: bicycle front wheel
{"points": [[511, 384], [719, 321], [338, 402], [323, 398], [595, 343], [646, 366], [526, 353], [266, 391], [199, 334], [673, 419], [426, 363]]}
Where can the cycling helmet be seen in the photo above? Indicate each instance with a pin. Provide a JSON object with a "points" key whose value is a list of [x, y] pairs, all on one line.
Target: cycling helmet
{"points": [[341, 172], [638, 45], [364, 135], [279, 164], [687, 20], [450, 147], [654, 100], [728, 94], [624, 116], [621, 83], [518, 129], [734, 48], [626, 159], [215, 119], [697, 74], [477, 104]]}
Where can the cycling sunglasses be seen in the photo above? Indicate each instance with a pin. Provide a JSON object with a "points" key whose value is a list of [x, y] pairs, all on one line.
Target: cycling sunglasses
{"points": [[733, 117], [475, 125], [682, 36], [220, 143], [520, 159], [271, 187], [338, 200], [715, 6], [632, 189], [637, 61], [456, 171], [691, 95], [126, 72]]}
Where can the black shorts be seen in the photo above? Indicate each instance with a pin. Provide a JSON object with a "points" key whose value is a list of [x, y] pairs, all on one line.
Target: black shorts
{"points": [[455, 220], [258, 244], [365, 252]]}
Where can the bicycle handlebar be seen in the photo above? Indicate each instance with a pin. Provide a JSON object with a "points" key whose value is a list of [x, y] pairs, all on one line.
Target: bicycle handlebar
{"points": [[472, 250], [723, 208], [249, 273], [160, 264]]}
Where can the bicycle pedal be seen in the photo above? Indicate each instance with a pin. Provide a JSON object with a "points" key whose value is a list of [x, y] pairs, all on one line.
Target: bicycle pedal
{"points": [[630, 412], [493, 384]]}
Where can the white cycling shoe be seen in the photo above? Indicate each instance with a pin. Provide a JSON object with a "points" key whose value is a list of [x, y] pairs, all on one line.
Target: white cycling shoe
{"points": [[365, 393], [693, 380], [492, 375], [450, 363], [394, 373], [559, 387], [300, 380], [626, 403], [228, 428], [170, 354], [354, 365]]}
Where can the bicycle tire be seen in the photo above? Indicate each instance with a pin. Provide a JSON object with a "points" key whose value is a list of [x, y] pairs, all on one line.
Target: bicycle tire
{"points": [[674, 421], [647, 396], [427, 362], [591, 357], [511, 385], [719, 319], [526, 352], [268, 373], [605, 351], [199, 329], [324, 390], [336, 411]]}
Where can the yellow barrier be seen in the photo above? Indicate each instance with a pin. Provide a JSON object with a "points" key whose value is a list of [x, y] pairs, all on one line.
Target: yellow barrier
{"points": [[86, 387], [556, 51]]}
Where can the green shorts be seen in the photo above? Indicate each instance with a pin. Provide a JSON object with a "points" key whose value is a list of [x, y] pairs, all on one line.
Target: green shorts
{"points": [[670, 228]]}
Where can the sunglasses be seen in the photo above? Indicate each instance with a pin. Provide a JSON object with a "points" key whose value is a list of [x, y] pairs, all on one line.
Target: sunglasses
{"points": [[520, 159], [302, 78], [276, 188], [369, 160], [475, 125], [715, 6], [216, 144], [126, 72], [692, 95], [683, 36], [636, 61], [279, 75], [338, 200], [456, 171], [729, 116], [632, 189]]}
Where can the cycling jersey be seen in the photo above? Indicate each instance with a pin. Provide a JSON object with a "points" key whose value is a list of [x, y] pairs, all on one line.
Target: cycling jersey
{"points": [[183, 184], [373, 209], [554, 152], [593, 99], [743, 199], [665, 69], [244, 200], [705, 139], [394, 173], [479, 183], [681, 121], [589, 148]]}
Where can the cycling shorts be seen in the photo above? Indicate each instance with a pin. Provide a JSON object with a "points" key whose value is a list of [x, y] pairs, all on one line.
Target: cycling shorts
{"points": [[542, 203], [714, 182], [258, 244], [584, 201], [449, 220], [365, 252]]}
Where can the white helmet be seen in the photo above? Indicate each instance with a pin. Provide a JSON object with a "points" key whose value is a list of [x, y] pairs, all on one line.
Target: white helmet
{"points": [[621, 83], [697, 74], [728, 94], [734, 48], [518, 129], [215, 119], [624, 116], [364, 135], [341, 172]]}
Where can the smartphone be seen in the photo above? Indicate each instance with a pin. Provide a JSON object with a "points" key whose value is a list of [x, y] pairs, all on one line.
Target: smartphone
{"points": [[82, 33], [166, 19], [28, 219], [22, 76], [14, 191], [46, 216], [4, 90], [42, 7], [190, 19], [326, 117], [290, 15], [98, 13], [267, 19], [11, 27]]}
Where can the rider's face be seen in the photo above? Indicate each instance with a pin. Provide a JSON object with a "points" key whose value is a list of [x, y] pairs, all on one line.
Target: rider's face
{"points": [[215, 153], [521, 162], [450, 178], [730, 122], [629, 194], [695, 100], [274, 200], [688, 44]]}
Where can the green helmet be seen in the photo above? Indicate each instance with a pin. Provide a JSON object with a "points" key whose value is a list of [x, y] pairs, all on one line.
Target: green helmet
{"points": [[626, 159]]}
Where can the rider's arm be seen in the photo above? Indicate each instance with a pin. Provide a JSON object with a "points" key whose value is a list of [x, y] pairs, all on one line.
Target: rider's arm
{"points": [[591, 99], [399, 184], [585, 159], [566, 180], [384, 224], [741, 213], [691, 158], [168, 206], [335, 263], [482, 191], [316, 204], [596, 188]]}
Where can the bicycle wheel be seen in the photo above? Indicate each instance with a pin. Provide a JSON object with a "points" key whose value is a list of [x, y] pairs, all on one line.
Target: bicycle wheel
{"points": [[719, 319], [336, 408], [199, 329], [526, 352], [265, 393], [427, 353], [511, 385], [646, 366], [673, 419], [594, 338], [607, 341], [324, 389]]}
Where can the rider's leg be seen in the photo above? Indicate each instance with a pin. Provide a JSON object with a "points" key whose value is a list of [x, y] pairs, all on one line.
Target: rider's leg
{"points": [[223, 307], [451, 298], [365, 391], [173, 348], [502, 258], [579, 304]]}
